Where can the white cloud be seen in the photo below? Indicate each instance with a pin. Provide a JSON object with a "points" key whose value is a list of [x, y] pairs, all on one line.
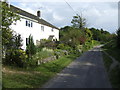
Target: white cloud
{"points": [[63, 0], [57, 17], [99, 15], [102, 15]]}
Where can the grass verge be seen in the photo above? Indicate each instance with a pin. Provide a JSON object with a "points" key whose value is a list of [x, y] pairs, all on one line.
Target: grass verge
{"points": [[107, 61], [112, 50], [114, 74], [115, 77], [33, 77]]}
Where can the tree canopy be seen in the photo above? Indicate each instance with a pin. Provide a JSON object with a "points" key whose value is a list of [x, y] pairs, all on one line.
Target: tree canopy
{"points": [[78, 21], [74, 36], [8, 17], [101, 35], [118, 38]]}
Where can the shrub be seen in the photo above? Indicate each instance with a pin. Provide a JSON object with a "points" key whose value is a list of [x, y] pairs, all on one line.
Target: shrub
{"points": [[31, 48], [115, 77], [64, 47], [94, 42], [82, 39], [118, 38], [16, 57], [40, 55], [48, 43], [13, 53], [58, 53], [61, 46]]}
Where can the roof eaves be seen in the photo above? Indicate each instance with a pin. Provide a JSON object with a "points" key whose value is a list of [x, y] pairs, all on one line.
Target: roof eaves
{"points": [[27, 14]]}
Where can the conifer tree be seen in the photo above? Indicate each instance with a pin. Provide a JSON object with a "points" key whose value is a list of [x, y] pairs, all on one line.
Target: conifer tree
{"points": [[31, 49]]}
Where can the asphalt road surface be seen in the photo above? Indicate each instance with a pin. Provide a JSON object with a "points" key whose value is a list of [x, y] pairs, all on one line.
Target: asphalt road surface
{"points": [[87, 71]]}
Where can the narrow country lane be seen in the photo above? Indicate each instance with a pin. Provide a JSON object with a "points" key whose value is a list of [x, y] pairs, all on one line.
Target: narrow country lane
{"points": [[87, 71]]}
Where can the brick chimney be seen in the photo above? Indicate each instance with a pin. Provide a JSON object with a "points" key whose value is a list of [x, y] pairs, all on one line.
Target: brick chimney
{"points": [[38, 14]]}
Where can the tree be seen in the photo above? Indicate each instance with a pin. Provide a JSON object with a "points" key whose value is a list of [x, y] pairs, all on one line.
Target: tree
{"points": [[96, 34], [14, 54], [31, 49], [17, 41], [101, 35], [11, 42], [118, 38], [78, 21], [88, 34], [72, 36], [8, 17]]}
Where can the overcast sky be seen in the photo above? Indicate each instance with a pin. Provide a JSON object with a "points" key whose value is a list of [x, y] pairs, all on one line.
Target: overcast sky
{"points": [[102, 14]]}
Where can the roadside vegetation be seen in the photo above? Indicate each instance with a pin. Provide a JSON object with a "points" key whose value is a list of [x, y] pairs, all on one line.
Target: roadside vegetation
{"points": [[33, 77], [113, 49], [115, 77], [107, 61], [32, 67]]}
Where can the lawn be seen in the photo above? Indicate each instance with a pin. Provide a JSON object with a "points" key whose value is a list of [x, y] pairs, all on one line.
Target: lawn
{"points": [[33, 77]]}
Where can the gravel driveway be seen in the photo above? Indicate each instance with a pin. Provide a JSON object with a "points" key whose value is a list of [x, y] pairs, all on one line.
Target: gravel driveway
{"points": [[87, 71]]}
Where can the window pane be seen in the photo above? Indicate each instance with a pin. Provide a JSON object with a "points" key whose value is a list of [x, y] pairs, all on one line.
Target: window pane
{"points": [[42, 28], [52, 30], [31, 24], [26, 23]]}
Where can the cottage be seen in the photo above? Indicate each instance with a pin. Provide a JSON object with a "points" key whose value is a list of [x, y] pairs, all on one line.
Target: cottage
{"points": [[34, 25]]}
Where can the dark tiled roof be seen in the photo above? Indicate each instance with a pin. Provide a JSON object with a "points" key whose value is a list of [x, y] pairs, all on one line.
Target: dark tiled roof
{"points": [[27, 14]]}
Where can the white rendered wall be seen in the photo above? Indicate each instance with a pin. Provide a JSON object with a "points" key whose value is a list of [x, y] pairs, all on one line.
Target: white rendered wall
{"points": [[35, 31]]}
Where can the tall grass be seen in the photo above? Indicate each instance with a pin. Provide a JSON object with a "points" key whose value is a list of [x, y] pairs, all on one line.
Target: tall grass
{"points": [[107, 61], [43, 54], [34, 77], [114, 74], [112, 50]]}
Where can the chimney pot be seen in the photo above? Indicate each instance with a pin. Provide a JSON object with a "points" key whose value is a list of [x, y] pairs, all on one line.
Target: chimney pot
{"points": [[38, 13]]}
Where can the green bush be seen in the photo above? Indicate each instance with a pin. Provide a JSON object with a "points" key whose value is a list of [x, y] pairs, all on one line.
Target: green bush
{"points": [[31, 62], [16, 57], [43, 54], [94, 42], [64, 47], [31, 48], [58, 53], [40, 55], [115, 77], [61, 46], [48, 43], [118, 38], [74, 51]]}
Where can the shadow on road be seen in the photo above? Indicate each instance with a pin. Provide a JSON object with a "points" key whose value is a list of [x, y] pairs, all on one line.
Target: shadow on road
{"points": [[87, 71]]}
